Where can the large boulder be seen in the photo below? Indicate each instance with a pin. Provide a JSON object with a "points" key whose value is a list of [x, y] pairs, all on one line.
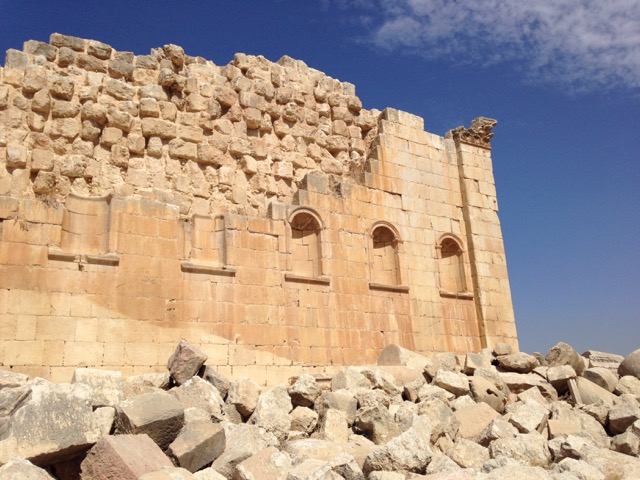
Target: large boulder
{"points": [[630, 365], [603, 377], [483, 390], [158, 414], [518, 362], [123, 457], [377, 424], [266, 464], [53, 423], [185, 362], [304, 391]]}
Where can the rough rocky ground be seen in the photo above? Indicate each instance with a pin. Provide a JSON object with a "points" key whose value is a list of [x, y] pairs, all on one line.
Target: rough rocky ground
{"points": [[484, 416]]}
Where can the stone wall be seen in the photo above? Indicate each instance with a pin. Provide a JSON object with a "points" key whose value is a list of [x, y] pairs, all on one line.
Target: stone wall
{"points": [[255, 209]]}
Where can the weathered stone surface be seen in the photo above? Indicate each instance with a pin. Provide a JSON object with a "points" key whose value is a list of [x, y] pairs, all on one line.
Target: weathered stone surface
{"points": [[304, 391], [312, 469], [474, 419], [340, 400], [105, 385], [579, 469], [346, 467], [587, 392], [267, 464], [242, 441], [351, 379], [487, 392], [376, 423], [622, 415], [243, 394], [333, 426], [304, 419], [456, 383], [564, 354], [498, 428], [628, 384], [19, 469], [158, 414], [409, 451], [559, 376], [630, 365], [527, 449], [528, 417], [443, 422], [394, 355], [197, 445], [518, 362], [609, 361], [54, 423], [272, 412], [185, 362], [9, 379], [149, 382], [123, 457], [603, 377], [468, 454], [197, 392], [173, 473], [517, 382]]}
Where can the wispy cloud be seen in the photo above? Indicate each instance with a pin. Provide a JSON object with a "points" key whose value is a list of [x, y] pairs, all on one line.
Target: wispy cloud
{"points": [[584, 44]]}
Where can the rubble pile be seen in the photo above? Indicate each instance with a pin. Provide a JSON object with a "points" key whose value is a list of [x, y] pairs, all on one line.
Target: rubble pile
{"points": [[482, 416]]}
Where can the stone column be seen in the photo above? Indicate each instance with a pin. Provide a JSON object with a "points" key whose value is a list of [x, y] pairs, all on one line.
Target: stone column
{"points": [[485, 247]]}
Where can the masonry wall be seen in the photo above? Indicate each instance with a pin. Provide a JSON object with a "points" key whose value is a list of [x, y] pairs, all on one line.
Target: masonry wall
{"points": [[255, 209]]}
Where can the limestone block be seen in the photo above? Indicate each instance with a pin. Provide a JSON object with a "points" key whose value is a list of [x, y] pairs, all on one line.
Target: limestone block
{"points": [[217, 379], [498, 428], [157, 414], [630, 365], [456, 383], [244, 394], [518, 362], [185, 362], [474, 419], [10, 379], [311, 468], [563, 354], [602, 377], [527, 449], [468, 454], [578, 468], [16, 156], [183, 150], [55, 422], [272, 412], [304, 391], [34, 80], [304, 419], [351, 379], [267, 464], [20, 469], [443, 423], [198, 444], [528, 417], [603, 359], [377, 423], [628, 384], [587, 392], [199, 393], [153, 127], [124, 457], [410, 451], [559, 376], [483, 390], [105, 385], [242, 442], [623, 415]]}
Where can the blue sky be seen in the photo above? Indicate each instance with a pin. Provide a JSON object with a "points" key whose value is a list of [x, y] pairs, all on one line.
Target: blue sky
{"points": [[561, 78]]}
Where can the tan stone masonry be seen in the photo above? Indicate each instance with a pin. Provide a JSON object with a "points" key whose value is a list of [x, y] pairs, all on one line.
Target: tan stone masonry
{"points": [[255, 209]]}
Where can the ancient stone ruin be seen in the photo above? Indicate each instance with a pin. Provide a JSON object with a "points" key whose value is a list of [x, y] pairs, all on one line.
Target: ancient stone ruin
{"points": [[489, 415], [255, 209]]}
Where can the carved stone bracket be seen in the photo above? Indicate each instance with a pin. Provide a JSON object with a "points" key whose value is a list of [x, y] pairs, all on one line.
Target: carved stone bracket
{"points": [[478, 134]]}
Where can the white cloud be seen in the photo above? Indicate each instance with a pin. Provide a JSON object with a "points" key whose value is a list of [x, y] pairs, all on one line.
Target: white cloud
{"points": [[586, 44]]}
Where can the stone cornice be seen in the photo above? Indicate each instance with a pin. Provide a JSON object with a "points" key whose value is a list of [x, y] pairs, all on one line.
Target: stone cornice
{"points": [[479, 134]]}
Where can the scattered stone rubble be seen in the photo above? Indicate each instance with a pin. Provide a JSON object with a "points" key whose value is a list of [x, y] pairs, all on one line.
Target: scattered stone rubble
{"points": [[485, 416]]}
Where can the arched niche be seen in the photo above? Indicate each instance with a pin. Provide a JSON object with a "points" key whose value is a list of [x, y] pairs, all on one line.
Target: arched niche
{"points": [[305, 243], [451, 269]]}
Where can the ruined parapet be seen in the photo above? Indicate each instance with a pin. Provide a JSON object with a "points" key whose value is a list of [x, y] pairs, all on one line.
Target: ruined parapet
{"points": [[255, 209]]}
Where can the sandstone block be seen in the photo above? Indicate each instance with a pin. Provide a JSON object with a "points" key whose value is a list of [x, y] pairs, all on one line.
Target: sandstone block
{"points": [[185, 362], [157, 414], [197, 445]]}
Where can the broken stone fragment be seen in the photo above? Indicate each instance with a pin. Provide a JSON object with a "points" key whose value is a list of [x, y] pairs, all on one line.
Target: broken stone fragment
{"points": [[304, 391], [198, 444], [630, 365], [564, 354], [125, 457], [157, 414], [185, 362]]}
